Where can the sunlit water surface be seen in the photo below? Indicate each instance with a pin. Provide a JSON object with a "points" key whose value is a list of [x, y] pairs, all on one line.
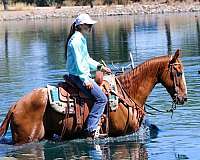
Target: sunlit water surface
{"points": [[32, 55]]}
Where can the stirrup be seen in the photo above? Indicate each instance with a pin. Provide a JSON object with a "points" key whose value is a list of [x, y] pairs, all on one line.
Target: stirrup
{"points": [[98, 134]]}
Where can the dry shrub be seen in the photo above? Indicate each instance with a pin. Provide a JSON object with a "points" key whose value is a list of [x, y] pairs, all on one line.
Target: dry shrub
{"points": [[69, 3], [19, 7]]}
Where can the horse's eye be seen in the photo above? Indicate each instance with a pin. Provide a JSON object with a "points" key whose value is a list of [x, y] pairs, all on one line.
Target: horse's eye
{"points": [[179, 74]]}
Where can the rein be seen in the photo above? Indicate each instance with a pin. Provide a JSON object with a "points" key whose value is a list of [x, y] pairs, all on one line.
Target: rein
{"points": [[132, 101], [173, 107], [131, 104]]}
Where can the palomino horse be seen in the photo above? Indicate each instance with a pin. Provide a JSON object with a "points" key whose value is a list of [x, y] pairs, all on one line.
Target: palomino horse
{"points": [[32, 119]]}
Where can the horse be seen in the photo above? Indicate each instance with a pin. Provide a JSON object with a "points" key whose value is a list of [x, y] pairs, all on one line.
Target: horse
{"points": [[32, 119]]}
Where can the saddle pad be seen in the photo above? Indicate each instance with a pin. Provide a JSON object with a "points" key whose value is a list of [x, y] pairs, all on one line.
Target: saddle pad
{"points": [[113, 99], [63, 94], [56, 104]]}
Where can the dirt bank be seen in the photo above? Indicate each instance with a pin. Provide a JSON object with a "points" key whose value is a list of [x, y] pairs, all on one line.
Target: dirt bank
{"points": [[64, 12]]}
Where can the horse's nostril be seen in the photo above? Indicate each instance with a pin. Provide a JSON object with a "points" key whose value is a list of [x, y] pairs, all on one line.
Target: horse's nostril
{"points": [[185, 99]]}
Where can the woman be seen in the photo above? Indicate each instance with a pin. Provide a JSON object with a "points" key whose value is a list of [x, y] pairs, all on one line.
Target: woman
{"points": [[79, 64]]}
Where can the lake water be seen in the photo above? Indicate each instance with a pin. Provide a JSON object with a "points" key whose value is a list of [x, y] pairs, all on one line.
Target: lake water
{"points": [[32, 55]]}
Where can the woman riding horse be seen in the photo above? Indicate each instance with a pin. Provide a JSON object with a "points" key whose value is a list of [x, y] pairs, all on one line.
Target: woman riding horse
{"points": [[79, 64], [32, 119]]}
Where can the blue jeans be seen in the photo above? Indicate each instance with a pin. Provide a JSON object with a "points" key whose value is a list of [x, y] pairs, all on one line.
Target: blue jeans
{"points": [[99, 98]]}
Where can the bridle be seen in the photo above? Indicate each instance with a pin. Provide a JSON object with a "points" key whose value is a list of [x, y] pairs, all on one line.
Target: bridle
{"points": [[176, 80]]}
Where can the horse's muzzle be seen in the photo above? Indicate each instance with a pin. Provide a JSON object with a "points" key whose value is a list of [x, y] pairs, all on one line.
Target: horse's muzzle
{"points": [[180, 99]]}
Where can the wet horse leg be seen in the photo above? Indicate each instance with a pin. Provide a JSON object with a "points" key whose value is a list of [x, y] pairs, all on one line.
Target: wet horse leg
{"points": [[122, 121], [27, 117], [118, 120]]}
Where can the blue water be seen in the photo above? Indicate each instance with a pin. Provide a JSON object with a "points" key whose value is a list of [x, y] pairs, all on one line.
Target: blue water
{"points": [[32, 55]]}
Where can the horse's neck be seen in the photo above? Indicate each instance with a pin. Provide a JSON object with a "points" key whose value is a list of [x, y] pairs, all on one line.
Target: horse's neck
{"points": [[139, 82]]}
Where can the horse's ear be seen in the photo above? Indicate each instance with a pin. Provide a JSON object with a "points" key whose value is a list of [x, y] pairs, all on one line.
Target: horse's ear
{"points": [[176, 56]]}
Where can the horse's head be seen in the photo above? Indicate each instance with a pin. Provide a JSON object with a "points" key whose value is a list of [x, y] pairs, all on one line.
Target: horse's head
{"points": [[174, 80]]}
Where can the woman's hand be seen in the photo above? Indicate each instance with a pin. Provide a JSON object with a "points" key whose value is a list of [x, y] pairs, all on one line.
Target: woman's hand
{"points": [[89, 85], [106, 69]]}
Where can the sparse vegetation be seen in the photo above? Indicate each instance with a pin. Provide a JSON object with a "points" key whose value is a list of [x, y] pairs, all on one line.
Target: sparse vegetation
{"points": [[27, 4], [105, 7], [18, 7]]}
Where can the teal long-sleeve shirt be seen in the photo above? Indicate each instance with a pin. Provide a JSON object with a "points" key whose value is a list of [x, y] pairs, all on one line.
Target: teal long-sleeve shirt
{"points": [[79, 63]]}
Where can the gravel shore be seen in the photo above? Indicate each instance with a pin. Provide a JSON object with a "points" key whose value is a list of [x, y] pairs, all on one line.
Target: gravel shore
{"points": [[113, 10]]}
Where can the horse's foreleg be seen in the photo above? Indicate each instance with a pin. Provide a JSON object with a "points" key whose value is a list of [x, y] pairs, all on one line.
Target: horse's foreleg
{"points": [[118, 121], [124, 120], [27, 119]]}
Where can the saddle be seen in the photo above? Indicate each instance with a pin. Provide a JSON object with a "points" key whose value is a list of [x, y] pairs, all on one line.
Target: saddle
{"points": [[67, 99], [69, 88], [66, 94]]}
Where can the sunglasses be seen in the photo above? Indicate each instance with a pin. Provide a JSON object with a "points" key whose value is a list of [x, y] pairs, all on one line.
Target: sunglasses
{"points": [[89, 25]]}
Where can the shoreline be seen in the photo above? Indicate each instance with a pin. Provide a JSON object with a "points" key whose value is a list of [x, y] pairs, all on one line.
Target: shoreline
{"points": [[113, 10]]}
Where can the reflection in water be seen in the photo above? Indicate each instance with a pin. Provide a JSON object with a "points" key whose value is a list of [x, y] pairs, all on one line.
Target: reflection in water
{"points": [[198, 31], [28, 151], [81, 149], [6, 42], [109, 40], [133, 151], [168, 35]]}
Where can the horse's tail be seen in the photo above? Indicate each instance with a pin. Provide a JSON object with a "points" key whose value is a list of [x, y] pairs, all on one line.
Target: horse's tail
{"points": [[5, 124]]}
